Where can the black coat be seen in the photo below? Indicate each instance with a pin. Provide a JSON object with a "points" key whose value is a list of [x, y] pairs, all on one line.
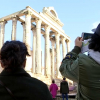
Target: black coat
{"points": [[23, 86], [64, 87]]}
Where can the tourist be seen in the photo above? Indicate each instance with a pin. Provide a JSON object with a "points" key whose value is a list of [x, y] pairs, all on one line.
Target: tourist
{"points": [[53, 89], [64, 89], [84, 69], [15, 82]]}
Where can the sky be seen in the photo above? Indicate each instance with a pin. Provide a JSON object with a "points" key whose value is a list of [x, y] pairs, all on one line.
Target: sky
{"points": [[77, 15]]}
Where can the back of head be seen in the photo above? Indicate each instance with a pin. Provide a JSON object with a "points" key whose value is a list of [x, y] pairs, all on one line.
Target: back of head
{"points": [[64, 78], [13, 54], [53, 81], [95, 40]]}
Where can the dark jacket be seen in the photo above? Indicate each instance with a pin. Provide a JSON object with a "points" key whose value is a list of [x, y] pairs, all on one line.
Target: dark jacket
{"points": [[23, 86], [64, 87]]}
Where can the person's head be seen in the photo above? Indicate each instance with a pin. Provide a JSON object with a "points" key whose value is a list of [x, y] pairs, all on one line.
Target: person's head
{"points": [[95, 40], [53, 81], [64, 78], [13, 55]]}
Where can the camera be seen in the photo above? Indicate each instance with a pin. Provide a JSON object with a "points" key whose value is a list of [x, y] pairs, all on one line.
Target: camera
{"points": [[86, 36]]}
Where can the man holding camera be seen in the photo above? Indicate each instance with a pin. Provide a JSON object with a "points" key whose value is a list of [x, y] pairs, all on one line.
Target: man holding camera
{"points": [[84, 69]]}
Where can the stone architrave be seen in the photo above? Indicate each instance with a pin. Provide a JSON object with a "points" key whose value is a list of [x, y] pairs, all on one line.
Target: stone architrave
{"points": [[57, 54], [47, 51], [14, 26], [52, 58], [63, 46], [38, 46], [34, 51], [23, 24], [28, 29], [2, 32], [68, 45]]}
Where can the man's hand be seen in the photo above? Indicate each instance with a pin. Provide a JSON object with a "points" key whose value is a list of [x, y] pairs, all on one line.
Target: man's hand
{"points": [[78, 41]]}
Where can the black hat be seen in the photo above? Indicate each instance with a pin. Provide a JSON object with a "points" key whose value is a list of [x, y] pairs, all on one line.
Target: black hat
{"points": [[97, 31]]}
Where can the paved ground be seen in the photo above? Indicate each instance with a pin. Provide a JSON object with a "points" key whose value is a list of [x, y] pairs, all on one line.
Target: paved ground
{"points": [[65, 99], [71, 96]]}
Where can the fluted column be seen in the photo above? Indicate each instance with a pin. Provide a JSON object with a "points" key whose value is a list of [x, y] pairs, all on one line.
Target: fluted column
{"points": [[28, 29], [52, 59], [2, 31], [57, 55], [68, 45], [63, 46], [47, 51], [14, 26], [23, 24], [38, 46], [34, 51]]}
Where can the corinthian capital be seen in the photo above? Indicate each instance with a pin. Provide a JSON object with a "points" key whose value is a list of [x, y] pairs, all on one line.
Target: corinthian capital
{"points": [[2, 22], [14, 17], [38, 20], [47, 27], [28, 12]]}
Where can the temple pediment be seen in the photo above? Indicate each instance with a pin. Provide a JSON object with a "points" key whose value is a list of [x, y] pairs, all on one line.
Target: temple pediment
{"points": [[52, 15]]}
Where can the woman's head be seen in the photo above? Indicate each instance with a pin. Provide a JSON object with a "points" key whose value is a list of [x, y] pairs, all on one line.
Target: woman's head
{"points": [[53, 81], [13, 54]]}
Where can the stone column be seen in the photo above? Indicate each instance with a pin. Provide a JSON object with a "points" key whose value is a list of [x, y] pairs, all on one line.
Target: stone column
{"points": [[47, 51], [14, 26], [52, 58], [34, 51], [57, 54], [2, 31], [38, 46], [28, 29], [23, 24], [68, 45], [63, 46]]}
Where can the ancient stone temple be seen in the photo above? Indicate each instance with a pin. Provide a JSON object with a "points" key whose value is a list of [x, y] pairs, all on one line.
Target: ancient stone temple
{"points": [[47, 24]]}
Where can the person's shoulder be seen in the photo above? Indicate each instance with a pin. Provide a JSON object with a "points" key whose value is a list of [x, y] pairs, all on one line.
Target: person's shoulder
{"points": [[37, 81], [56, 84], [85, 57]]}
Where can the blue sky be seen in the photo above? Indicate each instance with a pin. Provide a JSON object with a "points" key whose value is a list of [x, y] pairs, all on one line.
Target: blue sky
{"points": [[77, 15]]}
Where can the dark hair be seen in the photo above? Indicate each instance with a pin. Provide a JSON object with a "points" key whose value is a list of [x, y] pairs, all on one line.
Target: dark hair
{"points": [[53, 81], [95, 42], [64, 78], [13, 54]]}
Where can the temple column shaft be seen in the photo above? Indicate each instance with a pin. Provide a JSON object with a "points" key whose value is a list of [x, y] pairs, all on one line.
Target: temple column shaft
{"points": [[57, 55], [38, 46], [28, 29], [2, 31], [52, 59], [63, 47], [23, 24], [47, 51], [14, 26], [68, 45], [34, 51]]}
